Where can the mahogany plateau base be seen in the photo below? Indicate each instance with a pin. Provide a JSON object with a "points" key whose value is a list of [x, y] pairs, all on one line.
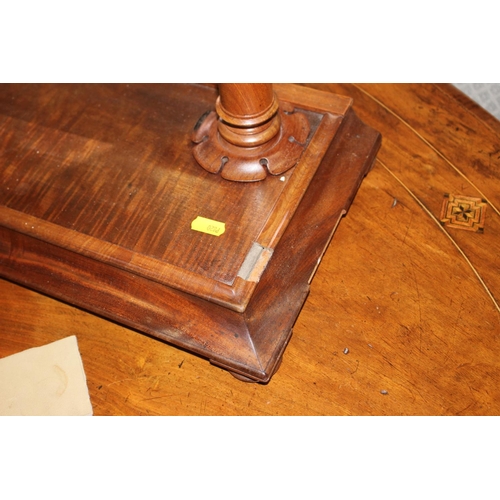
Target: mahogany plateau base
{"points": [[99, 189]]}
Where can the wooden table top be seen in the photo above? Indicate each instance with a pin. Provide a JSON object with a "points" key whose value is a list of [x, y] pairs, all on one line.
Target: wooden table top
{"points": [[403, 317]]}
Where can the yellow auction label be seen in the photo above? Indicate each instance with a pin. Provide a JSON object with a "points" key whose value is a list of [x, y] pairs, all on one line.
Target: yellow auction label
{"points": [[208, 226]]}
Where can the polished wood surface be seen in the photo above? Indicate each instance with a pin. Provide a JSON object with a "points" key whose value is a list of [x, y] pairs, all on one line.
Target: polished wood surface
{"points": [[77, 238], [402, 317], [77, 177]]}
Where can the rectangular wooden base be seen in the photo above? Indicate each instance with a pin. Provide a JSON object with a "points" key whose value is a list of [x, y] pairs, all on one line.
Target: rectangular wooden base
{"points": [[98, 190]]}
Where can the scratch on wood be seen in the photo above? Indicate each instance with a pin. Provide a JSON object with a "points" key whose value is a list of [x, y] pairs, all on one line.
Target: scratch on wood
{"points": [[418, 303], [119, 381], [441, 155], [460, 309], [443, 230], [156, 397], [408, 228], [357, 366], [466, 408]]}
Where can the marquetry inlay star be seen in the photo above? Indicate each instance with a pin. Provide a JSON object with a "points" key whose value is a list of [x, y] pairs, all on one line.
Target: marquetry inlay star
{"points": [[463, 212]]}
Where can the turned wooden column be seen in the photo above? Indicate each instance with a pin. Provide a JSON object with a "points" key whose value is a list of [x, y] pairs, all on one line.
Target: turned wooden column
{"points": [[248, 113], [249, 135]]}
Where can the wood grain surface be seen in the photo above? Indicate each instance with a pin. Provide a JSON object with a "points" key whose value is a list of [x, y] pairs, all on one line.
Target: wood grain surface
{"points": [[403, 317]]}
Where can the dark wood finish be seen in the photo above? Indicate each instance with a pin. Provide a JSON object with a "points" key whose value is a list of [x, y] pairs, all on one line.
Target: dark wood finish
{"points": [[112, 234], [415, 303]]}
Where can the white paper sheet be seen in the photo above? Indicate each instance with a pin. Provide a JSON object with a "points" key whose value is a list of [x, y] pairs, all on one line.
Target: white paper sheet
{"points": [[47, 380]]}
